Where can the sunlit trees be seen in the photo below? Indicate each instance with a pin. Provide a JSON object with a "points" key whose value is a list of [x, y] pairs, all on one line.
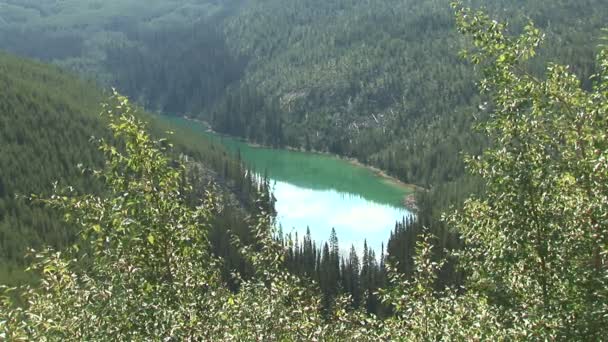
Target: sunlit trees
{"points": [[47, 118], [536, 243], [143, 267], [534, 253]]}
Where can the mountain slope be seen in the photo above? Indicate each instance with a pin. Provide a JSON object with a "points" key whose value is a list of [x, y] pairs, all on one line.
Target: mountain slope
{"points": [[377, 80], [47, 118]]}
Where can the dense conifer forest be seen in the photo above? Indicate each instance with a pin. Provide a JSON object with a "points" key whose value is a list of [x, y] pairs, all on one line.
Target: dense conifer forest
{"points": [[134, 232], [48, 120], [377, 80]]}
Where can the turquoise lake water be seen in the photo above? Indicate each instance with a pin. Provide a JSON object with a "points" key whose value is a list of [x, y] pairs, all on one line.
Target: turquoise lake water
{"points": [[321, 192]]}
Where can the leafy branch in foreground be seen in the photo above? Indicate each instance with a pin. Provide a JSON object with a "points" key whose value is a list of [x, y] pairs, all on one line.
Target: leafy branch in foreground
{"points": [[537, 242], [146, 249]]}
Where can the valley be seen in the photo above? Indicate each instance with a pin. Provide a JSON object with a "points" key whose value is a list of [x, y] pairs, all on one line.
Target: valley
{"points": [[303, 170], [320, 192]]}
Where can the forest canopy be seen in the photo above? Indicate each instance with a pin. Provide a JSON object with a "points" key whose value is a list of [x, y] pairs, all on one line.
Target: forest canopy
{"points": [[47, 119], [534, 254], [380, 81]]}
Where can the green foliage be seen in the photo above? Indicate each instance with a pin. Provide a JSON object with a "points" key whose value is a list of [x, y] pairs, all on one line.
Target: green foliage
{"points": [[47, 118], [536, 243], [148, 271], [377, 80], [535, 249], [423, 313], [148, 247], [338, 275]]}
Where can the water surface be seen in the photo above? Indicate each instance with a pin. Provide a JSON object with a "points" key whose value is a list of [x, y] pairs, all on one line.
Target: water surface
{"points": [[321, 192]]}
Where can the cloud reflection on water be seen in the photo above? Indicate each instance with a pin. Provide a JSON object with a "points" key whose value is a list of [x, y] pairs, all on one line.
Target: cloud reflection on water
{"points": [[354, 218]]}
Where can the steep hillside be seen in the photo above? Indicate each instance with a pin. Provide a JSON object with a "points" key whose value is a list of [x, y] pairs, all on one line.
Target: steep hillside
{"points": [[47, 119], [377, 80], [534, 255], [96, 38]]}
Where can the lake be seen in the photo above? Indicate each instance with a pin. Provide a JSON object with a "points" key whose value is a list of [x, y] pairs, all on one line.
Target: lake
{"points": [[321, 192]]}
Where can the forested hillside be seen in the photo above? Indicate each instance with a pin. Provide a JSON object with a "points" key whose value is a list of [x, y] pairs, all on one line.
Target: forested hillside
{"points": [[47, 120], [533, 254], [377, 80], [48, 123], [381, 81], [137, 46]]}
